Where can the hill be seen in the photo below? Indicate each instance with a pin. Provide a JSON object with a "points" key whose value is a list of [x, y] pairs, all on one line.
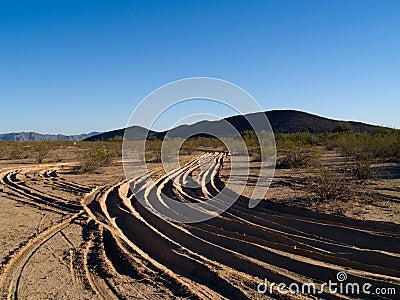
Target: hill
{"points": [[282, 121], [134, 133], [33, 136]]}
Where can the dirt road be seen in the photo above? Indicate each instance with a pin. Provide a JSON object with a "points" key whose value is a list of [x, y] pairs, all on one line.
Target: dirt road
{"points": [[107, 245]]}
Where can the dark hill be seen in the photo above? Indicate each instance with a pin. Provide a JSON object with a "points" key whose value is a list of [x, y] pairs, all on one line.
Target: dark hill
{"points": [[282, 121], [134, 133]]}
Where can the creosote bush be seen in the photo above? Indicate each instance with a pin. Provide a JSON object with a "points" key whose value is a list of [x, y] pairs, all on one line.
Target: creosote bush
{"points": [[195, 144], [296, 151], [296, 157], [383, 145], [41, 150], [16, 151], [257, 146], [361, 168], [328, 185], [95, 157]]}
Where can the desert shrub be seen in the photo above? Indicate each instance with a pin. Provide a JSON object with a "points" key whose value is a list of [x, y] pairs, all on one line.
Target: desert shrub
{"points": [[294, 155], [3, 150], [95, 157], [257, 146], [383, 145], [153, 157], [57, 158], [188, 147], [361, 168], [41, 149], [250, 138], [153, 151], [292, 158], [388, 145], [330, 146], [301, 139], [305, 138], [17, 151], [326, 185], [115, 146], [343, 127], [195, 144], [363, 149], [329, 140]]}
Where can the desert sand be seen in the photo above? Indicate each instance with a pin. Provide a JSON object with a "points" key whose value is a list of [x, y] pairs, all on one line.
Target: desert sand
{"points": [[86, 236]]}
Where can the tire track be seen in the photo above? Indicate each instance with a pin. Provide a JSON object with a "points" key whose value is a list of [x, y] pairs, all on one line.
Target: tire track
{"points": [[116, 213], [16, 183], [280, 243], [11, 182], [11, 273]]}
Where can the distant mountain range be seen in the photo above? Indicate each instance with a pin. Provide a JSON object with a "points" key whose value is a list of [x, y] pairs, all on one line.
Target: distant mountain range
{"points": [[282, 121], [33, 136]]}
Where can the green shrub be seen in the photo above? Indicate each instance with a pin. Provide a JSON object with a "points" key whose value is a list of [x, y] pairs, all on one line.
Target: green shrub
{"points": [[361, 169], [94, 158], [343, 127], [115, 146], [328, 185], [294, 156], [383, 145], [41, 150], [17, 151], [153, 157], [301, 139]]}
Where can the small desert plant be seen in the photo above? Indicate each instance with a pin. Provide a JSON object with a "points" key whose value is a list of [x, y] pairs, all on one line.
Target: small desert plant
{"points": [[328, 185], [153, 157], [301, 139], [197, 143], [153, 150], [361, 169], [295, 156], [16, 151], [3, 150], [259, 146], [383, 145], [57, 158], [94, 158], [41, 150], [343, 127], [115, 145]]}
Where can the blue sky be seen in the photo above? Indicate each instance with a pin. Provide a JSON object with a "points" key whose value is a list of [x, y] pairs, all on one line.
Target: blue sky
{"points": [[78, 66]]}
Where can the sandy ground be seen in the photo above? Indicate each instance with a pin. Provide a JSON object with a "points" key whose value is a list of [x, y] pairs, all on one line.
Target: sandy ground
{"points": [[85, 236], [376, 199]]}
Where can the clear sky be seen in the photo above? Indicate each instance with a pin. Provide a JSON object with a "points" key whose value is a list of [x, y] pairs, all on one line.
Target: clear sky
{"points": [[79, 66]]}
